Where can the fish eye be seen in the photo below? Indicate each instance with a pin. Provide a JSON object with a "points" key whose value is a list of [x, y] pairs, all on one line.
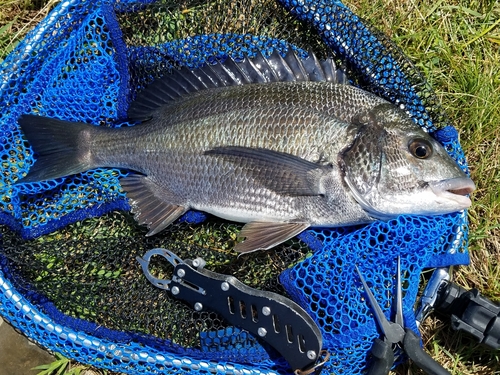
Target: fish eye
{"points": [[420, 148]]}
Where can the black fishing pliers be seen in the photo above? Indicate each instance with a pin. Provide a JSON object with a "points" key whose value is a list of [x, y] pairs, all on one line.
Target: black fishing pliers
{"points": [[397, 335]]}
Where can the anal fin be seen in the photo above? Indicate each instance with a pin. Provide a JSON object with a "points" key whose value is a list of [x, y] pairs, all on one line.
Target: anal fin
{"points": [[262, 235], [151, 204]]}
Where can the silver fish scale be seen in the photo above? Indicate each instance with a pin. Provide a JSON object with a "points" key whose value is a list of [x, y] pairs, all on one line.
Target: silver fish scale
{"points": [[340, 101], [302, 119]]}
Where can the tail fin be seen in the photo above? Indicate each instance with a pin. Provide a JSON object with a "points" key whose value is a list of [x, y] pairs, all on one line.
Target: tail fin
{"points": [[60, 147]]}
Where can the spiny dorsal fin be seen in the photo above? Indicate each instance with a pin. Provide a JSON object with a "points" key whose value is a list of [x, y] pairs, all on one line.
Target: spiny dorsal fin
{"points": [[259, 69]]}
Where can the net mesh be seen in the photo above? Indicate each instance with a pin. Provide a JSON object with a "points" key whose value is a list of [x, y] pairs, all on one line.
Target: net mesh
{"points": [[68, 274]]}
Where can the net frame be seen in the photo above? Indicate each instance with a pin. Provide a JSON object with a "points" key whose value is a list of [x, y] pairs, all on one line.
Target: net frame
{"points": [[135, 357]]}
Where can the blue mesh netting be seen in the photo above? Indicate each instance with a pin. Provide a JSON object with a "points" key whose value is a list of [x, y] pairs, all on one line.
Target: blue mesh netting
{"points": [[75, 65]]}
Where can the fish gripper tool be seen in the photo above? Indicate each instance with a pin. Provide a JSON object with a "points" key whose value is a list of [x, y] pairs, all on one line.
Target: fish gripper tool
{"points": [[275, 319]]}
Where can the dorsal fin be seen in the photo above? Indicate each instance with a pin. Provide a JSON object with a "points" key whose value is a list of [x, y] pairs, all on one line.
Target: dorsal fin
{"points": [[259, 69]]}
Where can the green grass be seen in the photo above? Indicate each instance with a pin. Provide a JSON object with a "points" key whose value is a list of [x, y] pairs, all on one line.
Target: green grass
{"points": [[17, 17], [61, 365], [456, 43]]}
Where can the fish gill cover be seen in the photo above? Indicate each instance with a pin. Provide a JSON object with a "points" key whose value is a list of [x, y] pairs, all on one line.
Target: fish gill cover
{"points": [[68, 271]]}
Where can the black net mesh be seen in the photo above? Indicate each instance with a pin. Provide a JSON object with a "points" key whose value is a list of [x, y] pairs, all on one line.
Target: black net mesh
{"points": [[89, 271]]}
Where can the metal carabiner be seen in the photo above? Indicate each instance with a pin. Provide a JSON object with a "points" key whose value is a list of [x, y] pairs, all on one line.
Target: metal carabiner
{"points": [[144, 262]]}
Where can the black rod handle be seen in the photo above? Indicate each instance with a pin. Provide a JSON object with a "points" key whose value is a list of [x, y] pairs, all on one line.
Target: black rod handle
{"points": [[470, 312]]}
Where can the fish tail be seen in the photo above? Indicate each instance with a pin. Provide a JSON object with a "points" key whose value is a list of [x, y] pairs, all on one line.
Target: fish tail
{"points": [[61, 148]]}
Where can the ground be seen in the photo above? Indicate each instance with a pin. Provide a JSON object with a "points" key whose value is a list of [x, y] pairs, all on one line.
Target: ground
{"points": [[18, 355]]}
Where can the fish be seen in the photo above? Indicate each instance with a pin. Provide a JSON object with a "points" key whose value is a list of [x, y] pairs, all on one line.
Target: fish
{"points": [[280, 144]]}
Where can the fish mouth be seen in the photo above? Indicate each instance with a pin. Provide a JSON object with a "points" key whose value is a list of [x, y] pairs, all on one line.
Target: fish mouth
{"points": [[455, 189]]}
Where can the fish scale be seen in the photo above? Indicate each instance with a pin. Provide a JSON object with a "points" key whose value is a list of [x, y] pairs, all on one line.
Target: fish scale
{"points": [[278, 156], [241, 128], [341, 101]]}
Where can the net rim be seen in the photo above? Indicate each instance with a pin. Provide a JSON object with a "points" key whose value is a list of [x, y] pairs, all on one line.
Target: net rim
{"points": [[28, 314], [94, 346]]}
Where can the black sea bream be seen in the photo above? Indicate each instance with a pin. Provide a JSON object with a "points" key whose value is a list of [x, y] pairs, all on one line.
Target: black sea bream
{"points": [[281, 155]]}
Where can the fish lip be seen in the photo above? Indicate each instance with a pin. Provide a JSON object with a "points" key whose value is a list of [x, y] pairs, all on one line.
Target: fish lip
{"points": [[455, 189]]}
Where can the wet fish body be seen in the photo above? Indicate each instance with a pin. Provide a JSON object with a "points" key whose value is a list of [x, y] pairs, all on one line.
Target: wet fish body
{"points": [[280, 156]]}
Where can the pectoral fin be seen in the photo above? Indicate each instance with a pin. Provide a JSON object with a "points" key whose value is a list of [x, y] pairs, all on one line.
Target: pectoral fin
{"points": [[151, 204], [262, 235], [280, 172]]}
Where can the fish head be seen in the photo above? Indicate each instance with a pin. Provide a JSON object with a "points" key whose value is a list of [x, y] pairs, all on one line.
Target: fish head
{"points": [[393, 167]]}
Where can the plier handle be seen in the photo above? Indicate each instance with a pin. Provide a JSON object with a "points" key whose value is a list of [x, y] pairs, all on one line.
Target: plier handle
{"points": [[396, 334]]}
